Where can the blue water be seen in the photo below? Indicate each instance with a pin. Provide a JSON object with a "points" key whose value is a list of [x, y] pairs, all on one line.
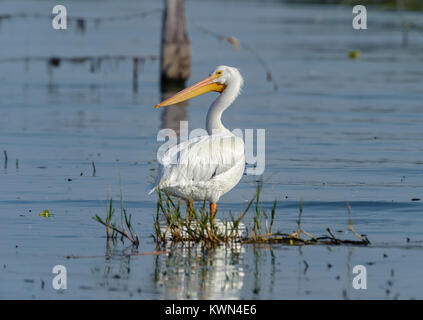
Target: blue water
{"points": [[337, 130]]}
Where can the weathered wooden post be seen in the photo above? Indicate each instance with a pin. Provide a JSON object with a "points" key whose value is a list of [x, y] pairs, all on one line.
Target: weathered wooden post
{"points": [[175, 61], [171, 117]]}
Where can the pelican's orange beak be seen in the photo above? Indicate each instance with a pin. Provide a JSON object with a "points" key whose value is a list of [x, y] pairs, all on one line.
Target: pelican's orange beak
{"points": [[197, 89]]}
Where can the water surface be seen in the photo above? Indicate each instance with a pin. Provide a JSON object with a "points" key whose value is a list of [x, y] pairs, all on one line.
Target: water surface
{"points": [[337, 130]]}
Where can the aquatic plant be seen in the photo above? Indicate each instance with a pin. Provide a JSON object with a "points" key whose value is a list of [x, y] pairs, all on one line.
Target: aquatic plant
{"points": [[198, 225], [112, 230]]}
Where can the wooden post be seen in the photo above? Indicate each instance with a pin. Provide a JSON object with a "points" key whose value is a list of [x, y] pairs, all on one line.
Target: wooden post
{"points": [[175, 63], [172, 117]]}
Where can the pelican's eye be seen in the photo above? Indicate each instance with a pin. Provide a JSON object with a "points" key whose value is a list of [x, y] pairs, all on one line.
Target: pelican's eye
{"points": [[219, 73]]}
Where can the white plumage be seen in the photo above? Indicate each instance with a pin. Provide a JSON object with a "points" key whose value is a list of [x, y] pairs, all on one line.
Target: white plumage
{"points": [[203, 168], [206, 167]]}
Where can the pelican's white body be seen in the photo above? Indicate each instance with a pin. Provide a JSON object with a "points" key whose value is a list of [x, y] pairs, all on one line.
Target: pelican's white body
{"points": [[207, 167]]}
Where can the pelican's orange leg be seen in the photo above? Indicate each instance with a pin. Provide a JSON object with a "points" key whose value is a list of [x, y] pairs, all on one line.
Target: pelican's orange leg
{"points": [[213, 209]]}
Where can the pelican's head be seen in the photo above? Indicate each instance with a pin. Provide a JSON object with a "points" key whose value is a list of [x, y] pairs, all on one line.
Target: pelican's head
{"points": [[225, 75], [217, 81]]}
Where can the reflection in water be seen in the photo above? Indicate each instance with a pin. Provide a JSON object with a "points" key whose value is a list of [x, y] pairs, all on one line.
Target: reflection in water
{"points": [[200, 272], [172, 116], [263, 261], [196, 271], [114, 275], [249, 271]]}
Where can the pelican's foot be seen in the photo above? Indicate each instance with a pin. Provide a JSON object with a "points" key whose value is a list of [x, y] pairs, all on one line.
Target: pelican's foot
{"points": [[213, 209]]}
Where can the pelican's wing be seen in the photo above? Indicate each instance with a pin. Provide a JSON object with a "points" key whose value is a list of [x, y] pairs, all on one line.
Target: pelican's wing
{"points": [[201, 159]]}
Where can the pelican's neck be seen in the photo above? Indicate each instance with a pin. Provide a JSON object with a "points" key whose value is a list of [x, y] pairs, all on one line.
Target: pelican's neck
{"points": [[225, 99]]}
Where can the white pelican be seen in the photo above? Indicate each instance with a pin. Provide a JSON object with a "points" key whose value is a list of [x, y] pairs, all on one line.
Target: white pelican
{"points": [[208, 166]]}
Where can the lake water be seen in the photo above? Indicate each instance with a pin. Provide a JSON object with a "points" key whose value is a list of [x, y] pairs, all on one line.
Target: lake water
{"points": [[337, 130]]}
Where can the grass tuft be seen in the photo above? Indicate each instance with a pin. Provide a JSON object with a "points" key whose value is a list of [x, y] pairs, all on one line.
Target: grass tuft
{"points": [[126, 231], [199, 225]]}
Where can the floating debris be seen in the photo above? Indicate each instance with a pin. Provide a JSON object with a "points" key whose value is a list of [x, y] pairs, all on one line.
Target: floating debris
{"points": [[45, 214], [235, 42], [5, 158], [54, 61], [354, 54], [81, 25], [94, 170]]}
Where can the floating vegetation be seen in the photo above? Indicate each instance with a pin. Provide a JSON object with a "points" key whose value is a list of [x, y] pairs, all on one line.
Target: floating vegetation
{"points": [[198, 226], [45, 214], [354, 54]]}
